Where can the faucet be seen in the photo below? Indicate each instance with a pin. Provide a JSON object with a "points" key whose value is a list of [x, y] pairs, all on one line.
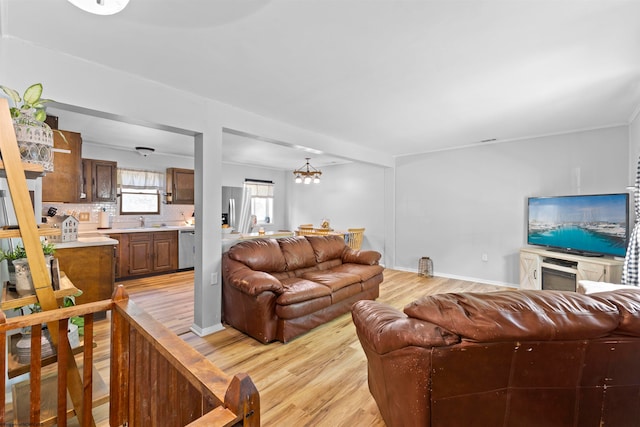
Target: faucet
{"points": [[141, 221]]}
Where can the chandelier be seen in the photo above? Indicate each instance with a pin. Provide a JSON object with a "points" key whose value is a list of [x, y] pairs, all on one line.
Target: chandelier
{"points": [[307, 174]]}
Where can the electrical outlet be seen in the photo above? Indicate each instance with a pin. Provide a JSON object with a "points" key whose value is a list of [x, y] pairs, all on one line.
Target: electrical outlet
{"points": [[84, 216], [485, 257]]}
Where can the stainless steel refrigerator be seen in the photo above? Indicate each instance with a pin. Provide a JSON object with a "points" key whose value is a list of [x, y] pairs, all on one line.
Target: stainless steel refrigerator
{"points": [[231, 205]]}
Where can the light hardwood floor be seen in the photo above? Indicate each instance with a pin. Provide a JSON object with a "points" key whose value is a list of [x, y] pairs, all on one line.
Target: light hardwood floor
{"points": [[318, 379]]}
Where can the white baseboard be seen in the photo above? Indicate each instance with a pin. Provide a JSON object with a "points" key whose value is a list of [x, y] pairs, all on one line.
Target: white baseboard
{"points": [[203, 332], [467, 279]]}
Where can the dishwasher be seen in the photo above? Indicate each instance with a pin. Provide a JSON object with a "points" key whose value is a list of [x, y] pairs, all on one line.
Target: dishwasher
{"points": [[187, 250]]}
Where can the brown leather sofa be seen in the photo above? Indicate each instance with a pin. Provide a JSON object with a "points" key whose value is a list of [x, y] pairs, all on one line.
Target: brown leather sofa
{"points": [[279, 289], [508, 358]]}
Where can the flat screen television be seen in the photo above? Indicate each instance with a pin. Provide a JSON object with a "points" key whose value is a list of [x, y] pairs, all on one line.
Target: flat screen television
{"points": [[596, 224]]}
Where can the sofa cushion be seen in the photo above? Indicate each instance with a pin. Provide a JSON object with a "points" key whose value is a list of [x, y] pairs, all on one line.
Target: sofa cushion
{"points": [[628, 303], [260, 255], [327, 247], [365, 272], [298, 290], [304, 308], [515, 315], [334, 280], [297, 252]]}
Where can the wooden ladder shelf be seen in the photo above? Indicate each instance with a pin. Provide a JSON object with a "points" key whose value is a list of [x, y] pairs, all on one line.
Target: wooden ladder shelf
{"points": [[28, 231]]}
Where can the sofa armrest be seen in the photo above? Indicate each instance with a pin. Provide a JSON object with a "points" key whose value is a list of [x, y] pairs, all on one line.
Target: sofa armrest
{"points": [[385, 329], [248, 281], [256, 282], [360, 257]]}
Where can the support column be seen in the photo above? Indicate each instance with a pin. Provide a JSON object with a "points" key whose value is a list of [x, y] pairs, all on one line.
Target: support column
{"points": [[208, 196]]}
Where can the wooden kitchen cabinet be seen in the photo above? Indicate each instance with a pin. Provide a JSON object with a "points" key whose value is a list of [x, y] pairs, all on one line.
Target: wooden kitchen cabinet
{"points": [[180, 185], [99, 180], [64, 183], [121, 252], [144, 253], [165, 251], [91, 269], [140, 253]]}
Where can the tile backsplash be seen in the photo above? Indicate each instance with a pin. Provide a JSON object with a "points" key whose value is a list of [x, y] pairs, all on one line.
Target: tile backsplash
{"points": [[169, 214]]}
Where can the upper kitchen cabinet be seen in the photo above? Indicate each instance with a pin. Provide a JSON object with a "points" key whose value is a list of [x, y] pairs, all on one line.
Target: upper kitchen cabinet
{"points": [[64, 183], [99, 180], [180, 186]]}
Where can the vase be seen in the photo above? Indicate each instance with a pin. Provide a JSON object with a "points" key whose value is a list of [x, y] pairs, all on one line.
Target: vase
{"points": [[35, 140], [23, 346], [24, 282], [12, 274]]}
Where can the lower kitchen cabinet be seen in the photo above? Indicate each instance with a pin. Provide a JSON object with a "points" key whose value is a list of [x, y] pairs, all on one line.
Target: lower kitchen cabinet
{"points": [[143, 253], [140, 253], [90, 269], [165, 251]]}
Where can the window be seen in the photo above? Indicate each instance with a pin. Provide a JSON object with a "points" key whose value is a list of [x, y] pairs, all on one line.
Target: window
{"points": [[140, 191], [138, 201], [261, 199]]}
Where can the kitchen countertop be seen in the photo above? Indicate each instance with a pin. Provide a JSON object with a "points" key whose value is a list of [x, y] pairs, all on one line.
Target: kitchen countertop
{"points": [[88, 239], [101, 237], [143, 229]]}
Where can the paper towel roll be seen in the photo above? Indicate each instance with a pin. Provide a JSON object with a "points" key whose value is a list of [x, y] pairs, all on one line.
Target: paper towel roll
{"points": [[103, 221]]}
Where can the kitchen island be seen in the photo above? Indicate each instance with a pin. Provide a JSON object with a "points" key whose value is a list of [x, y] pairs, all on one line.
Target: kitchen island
{"points": [[89, 264]]}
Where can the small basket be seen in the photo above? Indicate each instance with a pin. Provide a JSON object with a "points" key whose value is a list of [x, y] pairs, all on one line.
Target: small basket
{"points": [[425, 267]]}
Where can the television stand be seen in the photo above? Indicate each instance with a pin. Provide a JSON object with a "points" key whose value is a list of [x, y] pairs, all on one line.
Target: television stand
{"points": [[550, 269]]}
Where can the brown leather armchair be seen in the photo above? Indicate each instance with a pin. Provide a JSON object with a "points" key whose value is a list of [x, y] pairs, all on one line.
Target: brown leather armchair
{"points": [[511, 358]]}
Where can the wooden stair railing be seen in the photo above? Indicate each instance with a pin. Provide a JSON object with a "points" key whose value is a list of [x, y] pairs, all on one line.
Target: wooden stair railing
{"points": [[156, 378]]}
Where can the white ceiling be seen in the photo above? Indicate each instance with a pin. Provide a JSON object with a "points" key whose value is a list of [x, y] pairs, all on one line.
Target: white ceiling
{"points": [[400, 76]]}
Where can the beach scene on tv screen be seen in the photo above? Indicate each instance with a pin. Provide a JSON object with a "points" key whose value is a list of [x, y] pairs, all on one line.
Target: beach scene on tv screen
{"points": [[595, 224]]}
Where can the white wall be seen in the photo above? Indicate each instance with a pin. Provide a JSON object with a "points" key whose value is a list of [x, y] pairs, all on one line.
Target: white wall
{"points": [[454, 206], [350, 196]]}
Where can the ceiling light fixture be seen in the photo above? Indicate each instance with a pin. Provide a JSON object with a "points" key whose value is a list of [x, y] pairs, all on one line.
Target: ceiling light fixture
{"points": [[145, 151], [100, 7], [307, 174]]}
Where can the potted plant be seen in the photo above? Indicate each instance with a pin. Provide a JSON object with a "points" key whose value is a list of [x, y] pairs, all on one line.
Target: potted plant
{"points": [[35, 137], [20, 266], [75, 329]]}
